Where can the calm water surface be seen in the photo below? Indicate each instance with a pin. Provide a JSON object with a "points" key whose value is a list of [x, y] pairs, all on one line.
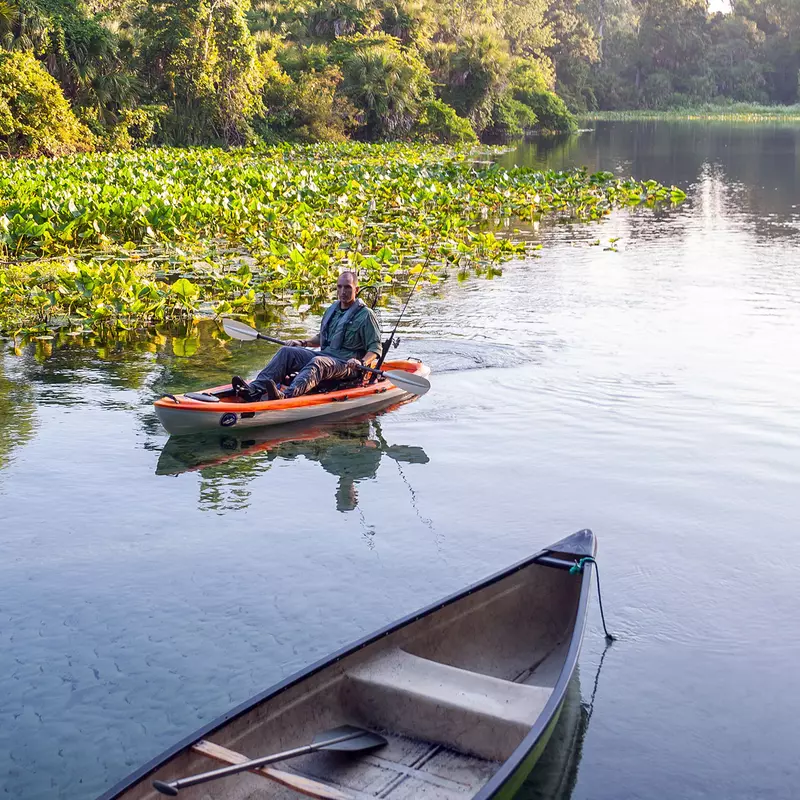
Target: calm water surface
{"points": [[651, 393]]}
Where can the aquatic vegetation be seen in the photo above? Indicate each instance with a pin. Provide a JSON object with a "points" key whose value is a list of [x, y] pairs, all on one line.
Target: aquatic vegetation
{"points": [[148, 236]]}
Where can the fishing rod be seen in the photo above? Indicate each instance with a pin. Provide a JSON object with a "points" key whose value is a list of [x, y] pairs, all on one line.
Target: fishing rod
{"points": [[388, 343]]}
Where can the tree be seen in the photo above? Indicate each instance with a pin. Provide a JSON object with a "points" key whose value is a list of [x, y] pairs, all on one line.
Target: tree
{"points": [[35, 117], [473, 72], [200, 54], [387, 82]]}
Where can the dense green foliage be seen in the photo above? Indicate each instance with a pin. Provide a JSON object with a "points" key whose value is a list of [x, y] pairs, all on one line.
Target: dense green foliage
{"points": [[35, 118], [153, 235], [187, 72], [660, 54]]}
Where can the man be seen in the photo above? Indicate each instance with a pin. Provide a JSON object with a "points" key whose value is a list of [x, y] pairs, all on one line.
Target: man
{"points": [[349, 338]]}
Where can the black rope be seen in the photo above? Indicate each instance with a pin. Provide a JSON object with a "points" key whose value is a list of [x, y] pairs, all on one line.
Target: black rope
{"points": [[579, 568], [590, 705]]}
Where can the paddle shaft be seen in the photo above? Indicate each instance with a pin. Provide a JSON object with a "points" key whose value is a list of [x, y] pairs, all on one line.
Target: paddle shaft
{"points": [[223, 772]]}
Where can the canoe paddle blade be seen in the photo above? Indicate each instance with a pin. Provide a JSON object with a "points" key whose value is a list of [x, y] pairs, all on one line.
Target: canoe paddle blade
{"points": [[359, 740], [238, 330], [408, 381]]}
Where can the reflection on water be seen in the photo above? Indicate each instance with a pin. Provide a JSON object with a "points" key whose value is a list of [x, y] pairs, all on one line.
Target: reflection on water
{"points": [[16, 411], [555, 773], [350, 450], [756, 166]]}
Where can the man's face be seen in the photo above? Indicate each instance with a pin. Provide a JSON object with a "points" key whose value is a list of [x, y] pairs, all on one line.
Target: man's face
{"points": [[346, 290]]}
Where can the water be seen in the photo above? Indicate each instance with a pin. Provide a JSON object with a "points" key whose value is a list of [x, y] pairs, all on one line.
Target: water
{"points": [[650, 393]]}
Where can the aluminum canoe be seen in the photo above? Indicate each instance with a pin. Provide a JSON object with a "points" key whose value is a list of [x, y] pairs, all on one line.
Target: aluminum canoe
{"points": [[467, 691]]}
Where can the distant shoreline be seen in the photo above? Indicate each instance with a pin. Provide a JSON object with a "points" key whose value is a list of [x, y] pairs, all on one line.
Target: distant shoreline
{"points": [[738, 112]]}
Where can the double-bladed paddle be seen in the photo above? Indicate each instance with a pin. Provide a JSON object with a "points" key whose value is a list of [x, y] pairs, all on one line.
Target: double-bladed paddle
{"points": [[346, 738], [407, 381]]}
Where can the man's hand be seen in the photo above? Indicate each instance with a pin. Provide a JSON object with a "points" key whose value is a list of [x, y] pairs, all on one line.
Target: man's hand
{"points": [[370, 359], [354, 363], [295, 343]]}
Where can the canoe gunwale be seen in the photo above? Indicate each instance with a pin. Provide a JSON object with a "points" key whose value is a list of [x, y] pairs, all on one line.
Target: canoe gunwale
{"points": [[506, 770]]}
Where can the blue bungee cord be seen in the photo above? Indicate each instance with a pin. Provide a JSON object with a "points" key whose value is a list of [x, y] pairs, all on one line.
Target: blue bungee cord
{"points": [[578, 568]]}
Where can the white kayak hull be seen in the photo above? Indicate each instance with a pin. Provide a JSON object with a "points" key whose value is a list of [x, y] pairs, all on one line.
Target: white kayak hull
{"points": [[181, 414]]}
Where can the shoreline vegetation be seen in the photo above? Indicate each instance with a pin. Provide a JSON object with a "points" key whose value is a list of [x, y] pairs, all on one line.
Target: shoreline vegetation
{"points": [[210, 157], [735, 112], [125, 240], [113, 75]]}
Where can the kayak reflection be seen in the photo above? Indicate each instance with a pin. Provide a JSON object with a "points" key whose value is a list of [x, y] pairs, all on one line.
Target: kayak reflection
{"points": [[351, 450]]}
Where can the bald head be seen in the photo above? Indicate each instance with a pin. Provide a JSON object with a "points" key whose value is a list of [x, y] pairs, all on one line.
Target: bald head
{"points": [[346, 288]]}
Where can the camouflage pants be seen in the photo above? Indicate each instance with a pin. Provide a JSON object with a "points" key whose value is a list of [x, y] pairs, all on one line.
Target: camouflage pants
{"points": [[311, 368]]}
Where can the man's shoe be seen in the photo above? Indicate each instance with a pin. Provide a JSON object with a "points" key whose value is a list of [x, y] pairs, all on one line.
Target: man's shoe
{"points": [[241, 388], [244, 390], [272, 391]]}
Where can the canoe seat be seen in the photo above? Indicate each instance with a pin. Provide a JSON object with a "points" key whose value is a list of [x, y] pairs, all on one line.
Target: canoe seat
{"points": [[470, 712]]}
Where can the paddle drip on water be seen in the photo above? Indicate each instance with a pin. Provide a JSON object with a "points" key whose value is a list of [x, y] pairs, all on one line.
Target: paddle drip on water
{"points": [[579, 568]]}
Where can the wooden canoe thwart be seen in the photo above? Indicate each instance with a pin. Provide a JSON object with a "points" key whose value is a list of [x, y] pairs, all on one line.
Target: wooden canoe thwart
{"points": [[465, 692]]}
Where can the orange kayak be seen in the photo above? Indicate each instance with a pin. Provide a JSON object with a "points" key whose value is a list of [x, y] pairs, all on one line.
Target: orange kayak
{"points": [[219, 408]]}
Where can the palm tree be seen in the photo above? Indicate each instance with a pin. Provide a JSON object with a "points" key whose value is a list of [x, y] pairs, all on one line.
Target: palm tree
{"points": [[22, 29], [388, 85]]}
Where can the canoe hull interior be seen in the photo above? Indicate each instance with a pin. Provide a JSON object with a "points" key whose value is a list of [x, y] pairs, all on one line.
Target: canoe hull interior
{"points": [[183, 415], [466, 691]]}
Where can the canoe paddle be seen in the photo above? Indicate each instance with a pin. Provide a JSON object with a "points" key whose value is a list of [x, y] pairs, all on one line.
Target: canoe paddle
{"points": [[407, 381], [346, 738]]}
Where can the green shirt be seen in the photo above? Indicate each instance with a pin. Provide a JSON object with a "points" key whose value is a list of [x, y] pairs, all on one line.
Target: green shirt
{"points": [[362, 336]]}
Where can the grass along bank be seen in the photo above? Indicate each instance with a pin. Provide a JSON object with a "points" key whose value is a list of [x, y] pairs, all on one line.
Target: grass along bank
{"points": [[734, 112], [131, 239]]}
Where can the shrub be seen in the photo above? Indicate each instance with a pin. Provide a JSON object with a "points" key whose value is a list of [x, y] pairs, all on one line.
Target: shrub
{"points": [[530, 86], [307, 108], [510, 119], [35, 117], [440, 123], [552, 113]]}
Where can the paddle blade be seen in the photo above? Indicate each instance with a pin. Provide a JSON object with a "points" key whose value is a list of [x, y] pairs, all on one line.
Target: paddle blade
{"points": [[361, 739], [165, 788], [238, 330], [408, 454], [408, 382]]}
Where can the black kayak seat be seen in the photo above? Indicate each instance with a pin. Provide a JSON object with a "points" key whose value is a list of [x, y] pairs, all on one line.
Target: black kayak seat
{"points": [[202, 397]]}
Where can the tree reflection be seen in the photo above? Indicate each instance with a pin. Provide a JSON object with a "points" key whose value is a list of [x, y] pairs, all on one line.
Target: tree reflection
{"points": [[750, 168], [17, 421], [228, 463]]}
